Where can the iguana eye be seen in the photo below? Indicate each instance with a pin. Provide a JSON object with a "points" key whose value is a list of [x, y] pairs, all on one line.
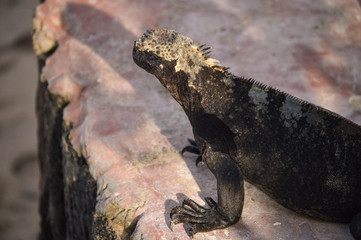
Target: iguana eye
{"points": [[152, 57]]}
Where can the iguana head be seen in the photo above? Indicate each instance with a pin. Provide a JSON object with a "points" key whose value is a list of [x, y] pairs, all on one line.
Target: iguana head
{"points": [[173, 58], [158, 47]]}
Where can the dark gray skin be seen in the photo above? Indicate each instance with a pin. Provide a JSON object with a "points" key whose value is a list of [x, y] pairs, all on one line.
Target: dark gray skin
{"points": [[303, 156]]}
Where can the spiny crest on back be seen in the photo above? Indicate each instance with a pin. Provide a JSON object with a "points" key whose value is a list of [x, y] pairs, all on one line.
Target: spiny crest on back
{"points": [[267, 88], [190, 57], [299, 101]]}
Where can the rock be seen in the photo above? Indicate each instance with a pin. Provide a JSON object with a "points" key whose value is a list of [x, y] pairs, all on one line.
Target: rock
{"points": [[109, 134], [355, 102]]}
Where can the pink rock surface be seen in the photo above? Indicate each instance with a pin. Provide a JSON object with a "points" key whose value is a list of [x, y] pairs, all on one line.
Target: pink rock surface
{"points": [[130, 129]]}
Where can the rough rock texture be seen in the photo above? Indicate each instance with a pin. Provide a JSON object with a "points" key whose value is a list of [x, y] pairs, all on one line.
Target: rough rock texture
{"points": [[110, 134]]}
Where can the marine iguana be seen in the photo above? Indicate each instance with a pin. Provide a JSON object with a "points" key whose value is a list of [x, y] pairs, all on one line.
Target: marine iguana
{"points": [[305, 157]]}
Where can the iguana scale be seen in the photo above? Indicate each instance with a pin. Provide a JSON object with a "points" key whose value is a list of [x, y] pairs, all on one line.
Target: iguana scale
{"points": [[305, 157]]}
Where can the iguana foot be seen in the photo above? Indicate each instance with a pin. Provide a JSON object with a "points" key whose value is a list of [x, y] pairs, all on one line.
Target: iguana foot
{"points": [[201, 219], [355, 226], [192, 148]]}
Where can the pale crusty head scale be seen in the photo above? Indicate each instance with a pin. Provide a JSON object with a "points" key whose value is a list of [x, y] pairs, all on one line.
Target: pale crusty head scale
{"points": [[190, 57]]}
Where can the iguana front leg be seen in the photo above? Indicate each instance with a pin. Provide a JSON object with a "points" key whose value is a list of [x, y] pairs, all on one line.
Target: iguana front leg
{"points": [[230, 197]]}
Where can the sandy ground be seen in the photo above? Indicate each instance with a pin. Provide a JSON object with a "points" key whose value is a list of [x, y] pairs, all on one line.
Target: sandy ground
{"points": [[19, 174]]}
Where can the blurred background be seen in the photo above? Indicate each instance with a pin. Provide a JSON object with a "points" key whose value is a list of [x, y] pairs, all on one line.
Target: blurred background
{"points": [[19, 174]]}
